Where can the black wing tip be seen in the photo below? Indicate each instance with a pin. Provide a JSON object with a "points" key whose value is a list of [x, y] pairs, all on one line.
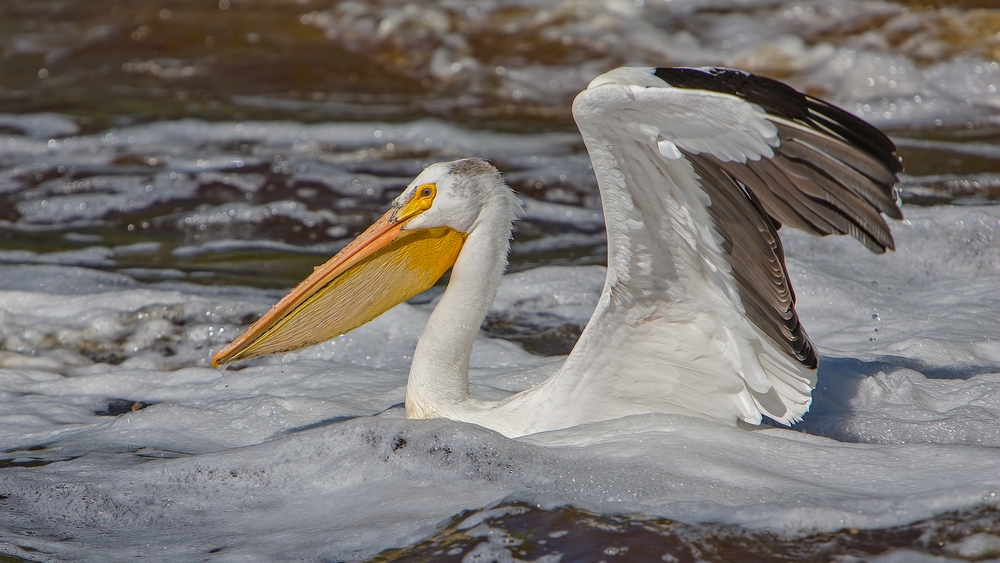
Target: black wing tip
{"points": [[857, 131], [776, 97], [781, 100]]}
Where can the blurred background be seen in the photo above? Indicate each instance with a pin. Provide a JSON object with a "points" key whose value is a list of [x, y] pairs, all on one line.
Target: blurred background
{"points": [[244, 141]]}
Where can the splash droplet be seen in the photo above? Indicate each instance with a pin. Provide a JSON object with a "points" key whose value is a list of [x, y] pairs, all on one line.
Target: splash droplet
{"points": [[222, 372]]}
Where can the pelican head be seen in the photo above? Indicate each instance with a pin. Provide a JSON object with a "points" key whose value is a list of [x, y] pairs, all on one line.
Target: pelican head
{"points": [[451, 195], [402, 254]]}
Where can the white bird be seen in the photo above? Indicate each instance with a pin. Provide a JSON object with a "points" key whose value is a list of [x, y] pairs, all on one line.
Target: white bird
{"points": [[698, 169]]}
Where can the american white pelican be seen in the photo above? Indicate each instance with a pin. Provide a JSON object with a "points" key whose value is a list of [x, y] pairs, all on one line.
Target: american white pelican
{"points": [[698, 169]]}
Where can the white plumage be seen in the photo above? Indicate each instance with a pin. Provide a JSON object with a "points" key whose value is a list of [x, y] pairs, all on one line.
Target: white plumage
{"points": [[698, 168]]}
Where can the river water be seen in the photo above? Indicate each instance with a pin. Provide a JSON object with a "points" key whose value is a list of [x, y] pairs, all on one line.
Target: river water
{"points": [[168, 169]]}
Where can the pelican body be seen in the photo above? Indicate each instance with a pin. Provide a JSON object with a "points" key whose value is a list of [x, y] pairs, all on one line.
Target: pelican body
{"points": [[698, 169]]}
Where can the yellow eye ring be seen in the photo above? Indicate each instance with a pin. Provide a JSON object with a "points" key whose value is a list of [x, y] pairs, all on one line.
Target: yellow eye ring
{"points": [[425, 196]]}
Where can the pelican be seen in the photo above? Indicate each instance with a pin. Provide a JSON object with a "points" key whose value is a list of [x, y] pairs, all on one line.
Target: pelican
{"points": [[698, 168]]}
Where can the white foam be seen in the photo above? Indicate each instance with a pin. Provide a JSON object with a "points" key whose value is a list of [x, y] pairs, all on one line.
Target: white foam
{"points": [[264, 461], [40, 125], [550, 296], [559, 214]]}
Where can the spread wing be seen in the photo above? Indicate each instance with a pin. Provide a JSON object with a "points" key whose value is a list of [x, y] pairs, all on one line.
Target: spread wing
{"points": [[698, 169]]}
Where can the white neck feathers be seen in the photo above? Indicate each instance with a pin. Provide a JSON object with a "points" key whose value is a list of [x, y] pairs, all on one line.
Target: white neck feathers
{"points": [[439, 374]]}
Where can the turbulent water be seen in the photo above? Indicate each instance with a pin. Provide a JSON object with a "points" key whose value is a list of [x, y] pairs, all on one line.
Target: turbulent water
{"points": [[168, 169]]}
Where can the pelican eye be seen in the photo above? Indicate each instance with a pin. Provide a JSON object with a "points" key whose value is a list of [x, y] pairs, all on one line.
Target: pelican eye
{"points": [[425, 196], [422, 199]]}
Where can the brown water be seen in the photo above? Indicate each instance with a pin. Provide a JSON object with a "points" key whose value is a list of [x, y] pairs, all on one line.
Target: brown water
{"points": [[490, 79], [577, 535], [120, 62], [126, 65]]}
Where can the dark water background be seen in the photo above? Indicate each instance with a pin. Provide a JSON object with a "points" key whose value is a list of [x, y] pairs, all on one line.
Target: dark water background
{"points": [[114, 69], [243, 142]]}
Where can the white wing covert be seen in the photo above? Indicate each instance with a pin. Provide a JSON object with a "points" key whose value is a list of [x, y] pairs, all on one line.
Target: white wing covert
{"points": [[698, 169]]}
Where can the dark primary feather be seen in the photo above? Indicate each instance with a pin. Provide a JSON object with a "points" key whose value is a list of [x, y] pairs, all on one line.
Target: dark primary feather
{"points": [[777, 98], [754, 252], [781, 100], [833, 173]]}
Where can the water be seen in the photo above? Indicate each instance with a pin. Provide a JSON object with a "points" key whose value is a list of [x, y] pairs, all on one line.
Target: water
{"points": [[167, 169]]}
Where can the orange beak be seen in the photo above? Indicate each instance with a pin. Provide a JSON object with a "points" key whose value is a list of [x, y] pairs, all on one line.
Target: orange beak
{"points": [[383, 267]]}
